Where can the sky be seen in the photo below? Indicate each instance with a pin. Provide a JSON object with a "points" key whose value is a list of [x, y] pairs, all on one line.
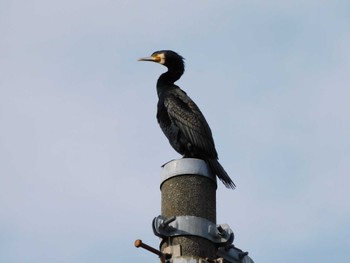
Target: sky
{"points": [[81, 150]]}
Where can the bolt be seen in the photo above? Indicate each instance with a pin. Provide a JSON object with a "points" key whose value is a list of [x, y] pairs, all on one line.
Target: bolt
{"points": [[242, 255], [222, 231], [138, 243], [168, 221]]}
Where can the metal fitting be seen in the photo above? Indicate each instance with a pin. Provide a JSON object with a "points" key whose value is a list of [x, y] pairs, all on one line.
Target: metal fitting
{"points": [[221, 235], [186, 166]]}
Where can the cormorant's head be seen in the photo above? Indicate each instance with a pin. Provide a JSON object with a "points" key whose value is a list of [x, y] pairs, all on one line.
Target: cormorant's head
{"points": [[168, 58]]}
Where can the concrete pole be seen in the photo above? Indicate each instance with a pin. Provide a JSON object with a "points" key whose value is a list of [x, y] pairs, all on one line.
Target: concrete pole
{"points": [[189, 189]]}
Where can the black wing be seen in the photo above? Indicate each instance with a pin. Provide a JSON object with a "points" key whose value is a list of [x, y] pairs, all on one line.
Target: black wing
{"points": [[191, 122]]}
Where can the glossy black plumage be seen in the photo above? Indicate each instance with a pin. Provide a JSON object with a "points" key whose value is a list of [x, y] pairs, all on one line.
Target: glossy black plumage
{"points": [[181, 120]]}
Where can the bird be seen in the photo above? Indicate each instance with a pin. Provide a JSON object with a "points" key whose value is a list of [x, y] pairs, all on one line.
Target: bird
{"points": [[180, 118]]}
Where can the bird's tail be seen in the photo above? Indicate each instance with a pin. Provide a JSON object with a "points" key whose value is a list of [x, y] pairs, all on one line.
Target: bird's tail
{"points": [[217, 169]]}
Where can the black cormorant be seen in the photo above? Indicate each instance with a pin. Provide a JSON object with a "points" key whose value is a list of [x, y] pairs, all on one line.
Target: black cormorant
{"points": [[180, 118]]}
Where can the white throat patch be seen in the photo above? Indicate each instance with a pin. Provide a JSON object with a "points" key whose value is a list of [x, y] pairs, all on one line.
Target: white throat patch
{"points": [[162, 58]]}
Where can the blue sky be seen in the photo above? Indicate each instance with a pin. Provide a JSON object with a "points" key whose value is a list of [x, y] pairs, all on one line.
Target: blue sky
{"points": [[80, 148]]}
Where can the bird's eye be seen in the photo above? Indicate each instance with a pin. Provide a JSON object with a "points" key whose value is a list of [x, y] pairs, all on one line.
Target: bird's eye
{"points": [[157, 58], [161, 58]]}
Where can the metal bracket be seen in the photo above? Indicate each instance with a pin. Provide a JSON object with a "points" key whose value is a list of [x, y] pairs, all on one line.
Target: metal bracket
{"points": [[195, 260], [222, 235], [233, 254], [186, 166]]}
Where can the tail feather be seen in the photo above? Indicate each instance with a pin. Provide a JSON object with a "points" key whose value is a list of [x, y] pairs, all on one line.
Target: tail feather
{"points": [[217, 169]]}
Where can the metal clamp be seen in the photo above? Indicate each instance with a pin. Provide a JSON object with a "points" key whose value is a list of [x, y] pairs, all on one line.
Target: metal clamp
{"points": [[233, 254], [186, 166], [222, 235]]}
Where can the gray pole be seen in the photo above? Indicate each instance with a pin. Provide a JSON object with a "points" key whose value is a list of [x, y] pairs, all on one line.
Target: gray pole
{"points": [[187, 224], [189, 189]]}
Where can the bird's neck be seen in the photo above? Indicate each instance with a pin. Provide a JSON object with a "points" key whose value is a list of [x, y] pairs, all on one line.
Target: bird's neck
{"points": [[167, 79]]}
